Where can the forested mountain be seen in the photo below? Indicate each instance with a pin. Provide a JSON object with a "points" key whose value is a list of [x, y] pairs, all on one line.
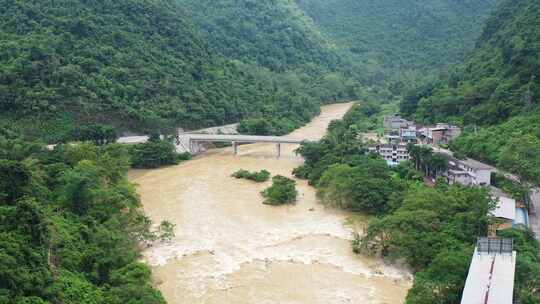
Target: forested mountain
{"points": [[142, 65], [499, 79], [273, 34], [495, 92], [135, 64], [400, 41], [277, 37]]}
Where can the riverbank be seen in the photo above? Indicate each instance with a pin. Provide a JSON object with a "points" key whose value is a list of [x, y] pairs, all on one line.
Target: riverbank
{"points": [[230, 248]]}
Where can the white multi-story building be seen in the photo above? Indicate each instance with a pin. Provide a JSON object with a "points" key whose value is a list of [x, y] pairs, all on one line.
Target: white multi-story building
{"points": [[392, 153]]}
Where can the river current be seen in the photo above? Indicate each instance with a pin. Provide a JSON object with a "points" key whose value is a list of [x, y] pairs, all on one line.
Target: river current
{"points": [[230, 248]]}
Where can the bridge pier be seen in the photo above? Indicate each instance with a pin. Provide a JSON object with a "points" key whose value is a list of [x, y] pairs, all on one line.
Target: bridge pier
{"points": [[191, 149], [195, 139], [235, 147]]}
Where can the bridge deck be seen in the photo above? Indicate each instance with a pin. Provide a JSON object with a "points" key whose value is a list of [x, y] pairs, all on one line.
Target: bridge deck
{"points": [[244, 138]]}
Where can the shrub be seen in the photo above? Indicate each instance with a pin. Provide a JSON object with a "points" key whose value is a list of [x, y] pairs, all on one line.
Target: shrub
{"points": [[282, 191], [155, 153], [97, 133], [258, 177]]}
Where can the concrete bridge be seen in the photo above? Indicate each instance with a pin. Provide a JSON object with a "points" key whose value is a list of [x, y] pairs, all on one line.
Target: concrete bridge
{"points": [[193, 141]]}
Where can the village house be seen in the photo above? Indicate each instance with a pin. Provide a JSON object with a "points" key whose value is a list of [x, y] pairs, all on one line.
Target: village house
{"points": [[402, 135], [509, 213], [408, 134], [468, 172], [396, 123], [442, 133]]}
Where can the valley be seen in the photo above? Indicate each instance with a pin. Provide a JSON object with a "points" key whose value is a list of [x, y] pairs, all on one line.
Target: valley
{"points": [[394, 198], [230, 247]]}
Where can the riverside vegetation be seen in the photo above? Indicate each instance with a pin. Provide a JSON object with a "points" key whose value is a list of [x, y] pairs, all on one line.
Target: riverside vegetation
{"points": [[433, 230], [155, 153], [283, 191], [70, 225], [259, 177]]}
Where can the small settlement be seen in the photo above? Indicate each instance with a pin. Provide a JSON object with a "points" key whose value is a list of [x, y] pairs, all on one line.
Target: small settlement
{"points": [[491, 273]]}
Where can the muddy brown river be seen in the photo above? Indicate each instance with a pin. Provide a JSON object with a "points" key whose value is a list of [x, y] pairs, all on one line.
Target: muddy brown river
{"points": [[230, 248]]}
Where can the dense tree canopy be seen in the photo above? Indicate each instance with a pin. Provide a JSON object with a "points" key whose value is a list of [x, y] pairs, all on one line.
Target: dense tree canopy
{"points": [[494, 93], [396, 43], [156, 152], [499, 80], [142, 65], [70, 226], [283, 191], [433, 229]]}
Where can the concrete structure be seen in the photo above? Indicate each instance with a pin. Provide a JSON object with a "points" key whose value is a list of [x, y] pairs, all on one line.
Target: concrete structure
{"points": [[505, 211], [392, 138], [467, 172], [392, 153], [396, 122], [195, 139], [402, 135], [191, 141], [442, 133], [182, 143], [491, 273], [522, 218], [409, 134]]}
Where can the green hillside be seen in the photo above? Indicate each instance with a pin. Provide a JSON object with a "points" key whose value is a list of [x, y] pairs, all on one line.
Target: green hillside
{"points": [[273, 34], [135, 64], [399, 41], [278, 36], [494, 94], [500, 78], [71, 226], [141, 65]]}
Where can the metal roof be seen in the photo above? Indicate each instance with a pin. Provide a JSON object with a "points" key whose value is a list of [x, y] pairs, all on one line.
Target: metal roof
{"points": [[490, 279], [506, 208], [476, 164]]}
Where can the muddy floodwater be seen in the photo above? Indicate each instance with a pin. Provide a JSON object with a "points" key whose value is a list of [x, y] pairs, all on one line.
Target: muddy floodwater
{"points": [[230, 248]]}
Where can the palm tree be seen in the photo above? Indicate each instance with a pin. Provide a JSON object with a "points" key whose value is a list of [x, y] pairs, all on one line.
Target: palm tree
{"points": [[414, 152], [437, 164]]}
